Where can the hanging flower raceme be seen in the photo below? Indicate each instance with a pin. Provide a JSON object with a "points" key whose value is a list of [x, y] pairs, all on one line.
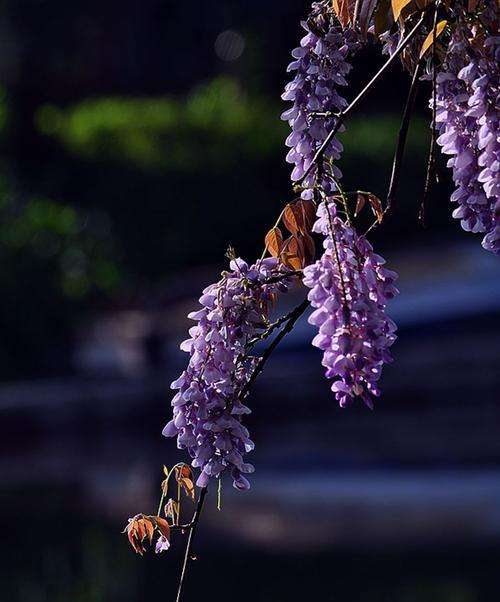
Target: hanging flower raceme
{"points": [[467, 98], [349, 290], [320, 66], [208, 407]]}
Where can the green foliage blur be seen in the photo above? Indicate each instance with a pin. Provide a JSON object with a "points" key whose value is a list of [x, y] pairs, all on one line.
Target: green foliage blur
{"points": [[131, 189]]}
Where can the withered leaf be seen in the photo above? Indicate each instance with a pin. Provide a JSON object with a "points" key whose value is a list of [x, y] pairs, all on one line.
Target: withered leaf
{"points": [[376, 205], [360, 203], [184, 476], [472, 5], [344, 9], [172, 509], [398, 6], [138, 529], [274, 241], [429, 40], [162, 525]]}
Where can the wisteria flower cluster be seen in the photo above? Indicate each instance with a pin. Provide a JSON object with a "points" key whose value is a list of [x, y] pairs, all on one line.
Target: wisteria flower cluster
{"points": [[350, 288], [208, 408], [320, 65], [468, 103]]}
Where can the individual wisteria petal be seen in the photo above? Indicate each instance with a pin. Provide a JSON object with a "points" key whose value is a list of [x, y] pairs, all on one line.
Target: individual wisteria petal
{"points": [[467, 107], [207, 409], [320, 68], [349, 289]]}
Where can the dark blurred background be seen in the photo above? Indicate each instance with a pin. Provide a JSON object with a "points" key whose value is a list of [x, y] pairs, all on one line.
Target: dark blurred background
{"points": [[137, 141]]}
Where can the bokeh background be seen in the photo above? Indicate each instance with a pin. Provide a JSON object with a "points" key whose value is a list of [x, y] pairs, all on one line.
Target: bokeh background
{"points": [[138, 139]]}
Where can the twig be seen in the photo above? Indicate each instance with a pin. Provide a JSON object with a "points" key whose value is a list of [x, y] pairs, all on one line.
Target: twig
{"points": [[402, 136], [343, 115], [292, 319], [432, 149], [271, 328], [192, 530]]}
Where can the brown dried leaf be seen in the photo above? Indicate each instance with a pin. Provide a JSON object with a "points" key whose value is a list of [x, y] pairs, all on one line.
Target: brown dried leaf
{"points": [[344, 9], [150, 529], [376, 205], [137, 531], [162, 525], [172, 509], [398, 6], [360, 203], [472, 5], [294, 219], [429, 40], [184, 476], [274, 241]]}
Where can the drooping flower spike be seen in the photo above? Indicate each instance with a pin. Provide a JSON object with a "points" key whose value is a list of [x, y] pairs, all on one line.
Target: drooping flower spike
{"points": [[208, 408]]}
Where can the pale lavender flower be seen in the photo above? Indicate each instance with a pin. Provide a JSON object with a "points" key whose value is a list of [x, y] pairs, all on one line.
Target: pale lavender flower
{"points": [[467, 98], [320, 66], [350, 288], [208, 409]]}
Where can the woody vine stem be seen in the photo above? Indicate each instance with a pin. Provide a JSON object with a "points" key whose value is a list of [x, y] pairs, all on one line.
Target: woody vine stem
{"points": [[291, 319]]}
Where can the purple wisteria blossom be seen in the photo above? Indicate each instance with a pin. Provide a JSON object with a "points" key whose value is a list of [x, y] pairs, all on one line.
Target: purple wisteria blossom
{"points": [[320, 66], [349, 291], [467, 103], [208, 408]]}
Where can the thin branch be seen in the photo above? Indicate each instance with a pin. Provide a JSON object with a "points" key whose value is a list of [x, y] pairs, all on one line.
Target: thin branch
{"points": [[271, 328], [432, 150], [344, 114], [192, 530], [292, 319], [402, 136]]}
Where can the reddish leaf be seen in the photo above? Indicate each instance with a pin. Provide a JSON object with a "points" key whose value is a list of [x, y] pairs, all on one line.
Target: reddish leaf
{"points": [[184, 476], [274, 241], [359, 204], [162, 525], [290, 254], [294, 219], [308, 211], [309, 249], [472, 5], [137, 530], [376, 205]]}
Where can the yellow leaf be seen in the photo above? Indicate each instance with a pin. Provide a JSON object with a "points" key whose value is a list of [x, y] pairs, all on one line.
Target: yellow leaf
{"points": [[397, 7], [430, 38]]}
